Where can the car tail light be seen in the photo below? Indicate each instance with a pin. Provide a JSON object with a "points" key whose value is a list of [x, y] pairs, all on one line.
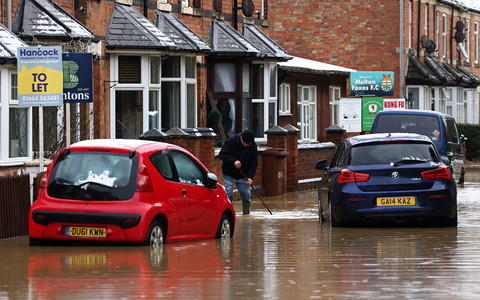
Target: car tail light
{"points": [[144, 183], [440, 172], [347, 175], [44, 181]]}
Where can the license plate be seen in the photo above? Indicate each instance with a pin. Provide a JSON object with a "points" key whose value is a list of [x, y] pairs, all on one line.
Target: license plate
{"points": [[395, 201], [79, 231]]}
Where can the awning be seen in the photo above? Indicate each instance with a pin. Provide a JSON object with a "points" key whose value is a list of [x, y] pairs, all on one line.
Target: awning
{"points": [[129, 29], [268, 48], [439, 71], [459, 77], [419, 74], [226, 41], [308, 66], [9, 43], [43, 19], [184, 38], [475, 80]]}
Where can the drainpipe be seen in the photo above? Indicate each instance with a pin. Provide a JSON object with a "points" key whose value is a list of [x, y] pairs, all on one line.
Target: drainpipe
{"points": [[145, 8], [451, 36], [9, 14], [418, 28], [234, 14], [402, 75]]}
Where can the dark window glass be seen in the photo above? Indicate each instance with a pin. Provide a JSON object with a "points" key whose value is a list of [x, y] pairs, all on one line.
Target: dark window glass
{"points": [[189, 171], [377, 154], [452, 133], [93, 176], [129, 69], [161, 161], [426, 125]]}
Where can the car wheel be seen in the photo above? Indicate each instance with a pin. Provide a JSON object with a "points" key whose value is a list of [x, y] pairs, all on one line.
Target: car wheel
{"points": [[333, 221], [451, 222], [225, 227], [155, 235], [36, 242]]}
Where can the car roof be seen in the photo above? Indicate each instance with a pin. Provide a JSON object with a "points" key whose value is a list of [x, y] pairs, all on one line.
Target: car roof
{"points": [[120, 145], [387, 137], [414, 112]]}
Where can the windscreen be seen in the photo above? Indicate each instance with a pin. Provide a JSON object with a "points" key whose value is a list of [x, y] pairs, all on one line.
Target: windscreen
{"points": [[93, 176], [387, 153], [421, 124]]}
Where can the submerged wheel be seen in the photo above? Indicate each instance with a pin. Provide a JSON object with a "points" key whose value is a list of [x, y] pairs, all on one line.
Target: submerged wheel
{"points": [[333, 221], [155, 235], [225, 227]]}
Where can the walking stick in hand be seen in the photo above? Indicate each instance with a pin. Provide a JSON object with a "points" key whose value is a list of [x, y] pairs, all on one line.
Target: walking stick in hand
{"points": [[258, 195]]}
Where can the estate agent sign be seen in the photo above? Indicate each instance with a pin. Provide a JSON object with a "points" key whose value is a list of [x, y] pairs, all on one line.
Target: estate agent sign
{"points": [[77, 77], [371, 84], [40, 76]]}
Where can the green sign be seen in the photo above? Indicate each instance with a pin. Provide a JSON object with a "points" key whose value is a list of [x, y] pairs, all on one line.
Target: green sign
{"points": [[370, 107]]}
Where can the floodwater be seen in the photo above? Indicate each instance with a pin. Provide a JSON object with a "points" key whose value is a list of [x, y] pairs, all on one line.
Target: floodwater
{"points": [[286, 255]]}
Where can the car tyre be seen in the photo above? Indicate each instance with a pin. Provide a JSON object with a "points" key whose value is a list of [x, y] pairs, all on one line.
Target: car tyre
{"points": [[35, 242], [156, 235], [451, 222], [333, 221], [225, 227]]}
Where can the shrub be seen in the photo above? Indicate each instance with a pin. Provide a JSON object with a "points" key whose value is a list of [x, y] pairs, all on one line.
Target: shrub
{"points": [[472, 133]]}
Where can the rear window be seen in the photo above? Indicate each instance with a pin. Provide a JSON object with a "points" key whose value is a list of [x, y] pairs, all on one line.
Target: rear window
{"points": [[386, 153], [93, 176], [426, 125]]}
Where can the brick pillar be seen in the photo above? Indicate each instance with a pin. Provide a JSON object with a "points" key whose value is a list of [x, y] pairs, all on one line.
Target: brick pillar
{"points": [[277, 137], [180, 138], [335, 134], [292, 157]]}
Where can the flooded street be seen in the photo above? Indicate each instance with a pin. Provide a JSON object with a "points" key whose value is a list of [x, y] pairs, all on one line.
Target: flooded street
{"points": [[281, 256]]}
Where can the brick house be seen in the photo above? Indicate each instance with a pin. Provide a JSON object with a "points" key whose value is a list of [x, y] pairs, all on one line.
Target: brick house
{"points": [[161, 65], [431, 73]]}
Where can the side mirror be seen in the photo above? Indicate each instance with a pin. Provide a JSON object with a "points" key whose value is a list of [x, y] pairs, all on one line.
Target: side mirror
{"points": [[463, 139], [212, 180], [321, 165], [445, 160]]}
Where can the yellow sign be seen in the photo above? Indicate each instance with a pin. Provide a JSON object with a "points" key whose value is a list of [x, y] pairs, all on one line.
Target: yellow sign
{"points": [[40, 80]]}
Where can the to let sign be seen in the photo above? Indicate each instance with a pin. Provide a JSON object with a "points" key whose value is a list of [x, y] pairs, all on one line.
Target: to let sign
{"points": [[40, 76]]}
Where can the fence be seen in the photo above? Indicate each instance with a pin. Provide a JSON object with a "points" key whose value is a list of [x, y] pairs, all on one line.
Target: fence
{"points": [[14, 205]]}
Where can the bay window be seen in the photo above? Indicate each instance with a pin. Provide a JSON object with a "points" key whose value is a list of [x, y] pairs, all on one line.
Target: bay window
{"points": [[152, 91]]}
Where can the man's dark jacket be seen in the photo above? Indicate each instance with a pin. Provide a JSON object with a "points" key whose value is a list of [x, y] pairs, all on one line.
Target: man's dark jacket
{"points": [[232, 151]]}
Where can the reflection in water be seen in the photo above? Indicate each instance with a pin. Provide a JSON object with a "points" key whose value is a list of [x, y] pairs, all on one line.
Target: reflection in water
{"points": [[284, 255]]}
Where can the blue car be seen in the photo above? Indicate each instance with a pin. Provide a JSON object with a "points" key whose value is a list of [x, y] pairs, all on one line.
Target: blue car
{"points": [[398, 177]]}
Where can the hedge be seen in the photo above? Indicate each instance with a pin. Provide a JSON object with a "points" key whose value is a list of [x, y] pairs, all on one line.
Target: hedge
{"points": [[472, 133]]}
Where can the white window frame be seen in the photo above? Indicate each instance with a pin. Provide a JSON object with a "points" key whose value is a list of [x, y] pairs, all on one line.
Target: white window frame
{"points": [[409, 24], [145, 86], [268, 98], [476, 41], [7, 103], [444, 35], [284, 100], [334, 103], [437, 29], [467, 40], [426, 19], [307, 110]]}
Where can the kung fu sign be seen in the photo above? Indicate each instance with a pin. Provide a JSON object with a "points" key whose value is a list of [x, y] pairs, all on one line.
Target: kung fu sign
{"points": [[369, 84]]}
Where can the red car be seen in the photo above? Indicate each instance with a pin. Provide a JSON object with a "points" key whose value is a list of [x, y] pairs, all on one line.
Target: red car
{"points": [[129, 191]]}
